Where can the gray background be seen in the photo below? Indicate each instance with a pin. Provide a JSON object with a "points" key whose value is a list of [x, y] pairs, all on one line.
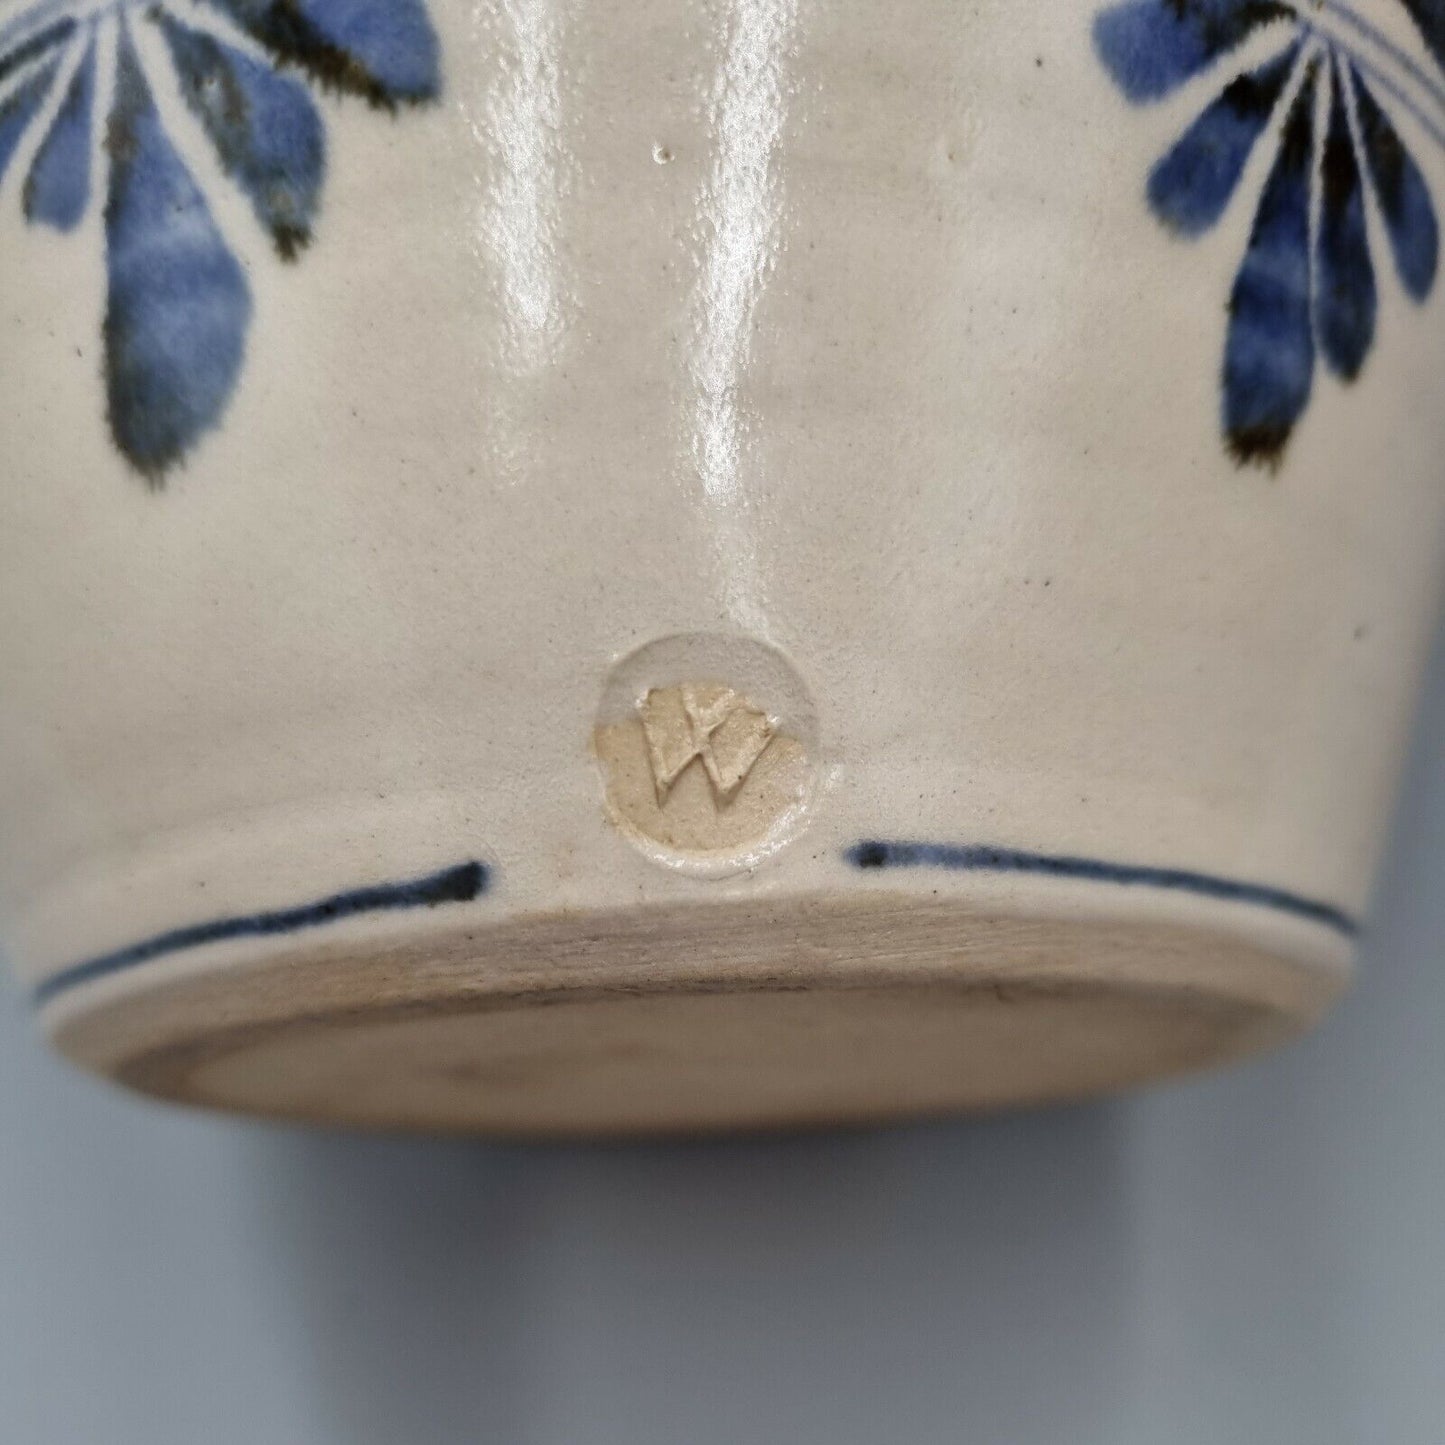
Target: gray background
{"points": [[1256, 1257]]}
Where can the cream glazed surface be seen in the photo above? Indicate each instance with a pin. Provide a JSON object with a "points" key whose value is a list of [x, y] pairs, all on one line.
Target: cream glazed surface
{"points": [[679, 565]]}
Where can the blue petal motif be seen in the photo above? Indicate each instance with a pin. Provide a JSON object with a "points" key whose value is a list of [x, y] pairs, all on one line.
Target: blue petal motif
{"points": [[1345, 278], [1190, 187], [1152, 47], [1403, 196], [1270, 352], [1288, 300], [263, 125], [383, 50], [178, 305], [57, 190], [18, 109]]}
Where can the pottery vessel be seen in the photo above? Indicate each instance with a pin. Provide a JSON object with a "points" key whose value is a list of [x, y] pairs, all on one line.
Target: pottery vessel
{"points": [[582, 566]]}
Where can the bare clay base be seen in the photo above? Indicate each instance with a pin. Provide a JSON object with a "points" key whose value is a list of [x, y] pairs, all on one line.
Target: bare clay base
{"points": [[701, 1018]]}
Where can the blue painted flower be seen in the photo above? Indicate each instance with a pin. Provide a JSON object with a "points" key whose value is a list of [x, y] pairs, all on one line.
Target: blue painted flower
{"points": [[1321, 83], [178, 305]]}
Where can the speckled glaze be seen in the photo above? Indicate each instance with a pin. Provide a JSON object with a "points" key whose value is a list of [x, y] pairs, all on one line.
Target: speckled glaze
{"points": [[743, 462]]}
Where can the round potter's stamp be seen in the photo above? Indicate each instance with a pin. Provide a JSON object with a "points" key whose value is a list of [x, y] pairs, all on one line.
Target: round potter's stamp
{"points": [[707, 745]]}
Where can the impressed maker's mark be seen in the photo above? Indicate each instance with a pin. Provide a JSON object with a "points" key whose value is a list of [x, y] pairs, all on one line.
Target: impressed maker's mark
{"points": [[705, 745], [707, 724]]}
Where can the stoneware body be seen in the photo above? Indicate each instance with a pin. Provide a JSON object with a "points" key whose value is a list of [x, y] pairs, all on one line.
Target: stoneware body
{"points": [[570, 565]]}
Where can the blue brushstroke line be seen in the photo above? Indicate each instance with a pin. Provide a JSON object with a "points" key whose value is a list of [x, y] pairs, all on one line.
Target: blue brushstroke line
{"points": [[33, 47], [1403, 196], [459, 884], [1152, 47], [386, 52], [57, 190], [177, 301], [982, 858], [1345, 298], [1381, 41], [1429, 18], [1269, 354], [19, 108], [1191, 186], [395, 41], [18, 29], [1430, 126], [266, 131]]}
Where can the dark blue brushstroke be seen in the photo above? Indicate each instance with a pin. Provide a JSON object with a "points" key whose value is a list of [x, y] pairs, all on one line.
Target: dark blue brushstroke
{"points": [[178, 305], [1151, 47], [1344, 275], [460, 884], [1190, 187], [984, 859], [1403, 196], [35, 47], [1379, 41], [1429, 16], [57, 190], [263, 125], [18, 109], [1389, 85], [1270, 352], [383, 50]]}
